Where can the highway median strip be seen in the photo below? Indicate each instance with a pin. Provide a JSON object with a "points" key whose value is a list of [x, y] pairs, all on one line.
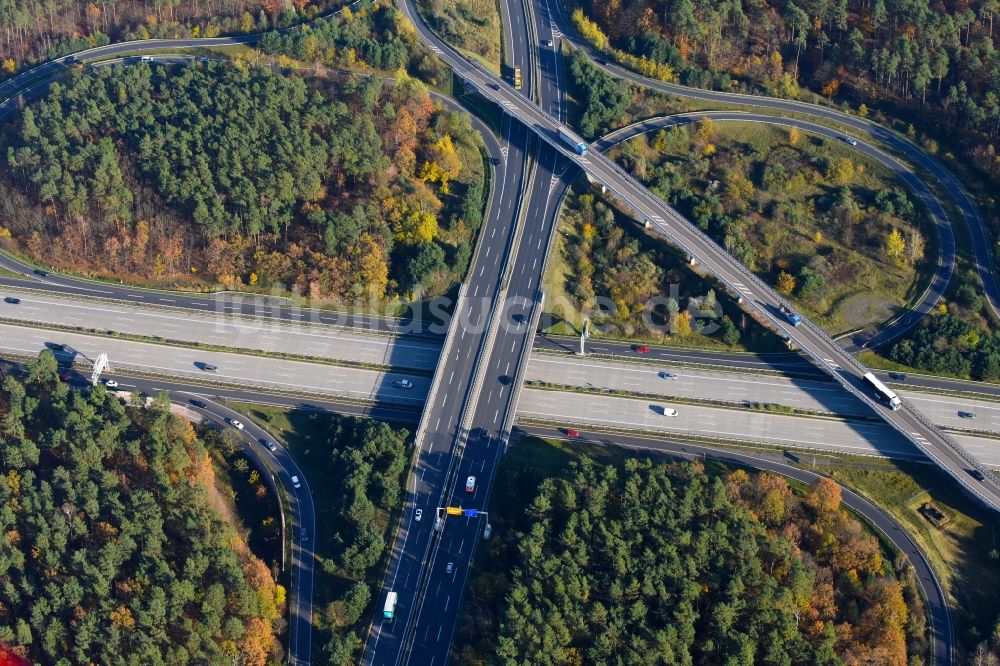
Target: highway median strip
{"points": [[166, 342]]}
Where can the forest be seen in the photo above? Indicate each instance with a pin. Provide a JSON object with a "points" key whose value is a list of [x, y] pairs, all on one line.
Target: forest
{"points": [[113, 550], [936, 62], [643, 562], [347, 189], [357, 469], [605, 256], [946, 343], [32, 31]]}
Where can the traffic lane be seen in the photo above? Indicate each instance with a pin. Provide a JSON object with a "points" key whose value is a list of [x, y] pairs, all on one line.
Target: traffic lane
{"points": [[304, 517], [937, 606], [438, 615], [245, 369], [223, 329], [442, 418], [681, 382], [790, 363], [786, 362], [942, 226], [580, 410]]}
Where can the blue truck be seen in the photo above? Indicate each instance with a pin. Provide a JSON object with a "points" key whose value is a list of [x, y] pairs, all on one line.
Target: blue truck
{"points": [[573, 141], [790, 315]]}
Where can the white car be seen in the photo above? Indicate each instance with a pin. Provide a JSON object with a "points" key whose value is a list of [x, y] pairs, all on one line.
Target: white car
{"points": [[668, 411], [849, 140], [418, 514], [147, 58], [271, 446], [110, 383], [403, 384], [305, 535], [470, 484], [450, 568], [236, 424], [548, 43], [295, 482]]}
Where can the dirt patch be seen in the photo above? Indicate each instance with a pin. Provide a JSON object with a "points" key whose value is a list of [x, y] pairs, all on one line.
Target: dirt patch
{"points": [[864, 310]]}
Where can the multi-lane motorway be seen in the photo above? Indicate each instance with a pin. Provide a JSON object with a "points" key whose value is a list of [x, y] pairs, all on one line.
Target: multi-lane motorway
{"points": [[479, 373], [756, 296]]}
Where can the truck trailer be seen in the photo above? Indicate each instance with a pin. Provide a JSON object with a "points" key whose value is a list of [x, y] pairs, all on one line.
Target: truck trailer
{"points": [[573, 141]]}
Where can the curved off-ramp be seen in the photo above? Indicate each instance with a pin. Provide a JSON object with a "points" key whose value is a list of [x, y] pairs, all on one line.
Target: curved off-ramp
{"points": [[945, 267], [550, 10]]}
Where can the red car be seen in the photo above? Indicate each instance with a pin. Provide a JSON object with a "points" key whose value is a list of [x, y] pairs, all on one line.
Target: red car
{"points": [[642, 349], [64, 376], [571, 432]]}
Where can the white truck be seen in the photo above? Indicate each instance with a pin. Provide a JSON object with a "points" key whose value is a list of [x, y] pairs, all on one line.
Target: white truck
{"points": [[573, 141], [390, 605]]}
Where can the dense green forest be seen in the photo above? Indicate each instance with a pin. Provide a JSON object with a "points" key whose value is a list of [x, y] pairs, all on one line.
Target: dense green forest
{"points": [[649, 563], [365, 467], [379, 37], [112, 550], [345, 189], [949, 344], [935, 61]]}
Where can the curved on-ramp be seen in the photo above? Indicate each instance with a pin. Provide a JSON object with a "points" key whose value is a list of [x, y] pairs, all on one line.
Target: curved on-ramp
{"points": [[980, 239]]}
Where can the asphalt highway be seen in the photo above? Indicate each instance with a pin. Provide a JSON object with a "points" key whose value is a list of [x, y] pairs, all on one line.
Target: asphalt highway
{"points": [[442, 430], [487, 427], [866, 438], [956, 412], [759, 298], [225, 329], [233, 369], [789, 363], [938, 616], [550, 11]]}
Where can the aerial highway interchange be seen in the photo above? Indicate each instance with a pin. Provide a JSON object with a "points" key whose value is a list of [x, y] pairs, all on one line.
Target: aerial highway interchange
{"points": [[464, 389]]}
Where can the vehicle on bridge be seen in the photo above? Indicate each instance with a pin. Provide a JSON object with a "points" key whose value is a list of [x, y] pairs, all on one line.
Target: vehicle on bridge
{"points": [[390, 605], [884, 393], [573, 141], [790, 315]]}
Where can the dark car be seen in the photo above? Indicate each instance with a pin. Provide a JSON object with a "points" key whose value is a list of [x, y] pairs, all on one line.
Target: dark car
{"points": [[12, 300], [641, 349], [966, 415], [64, 376], [198, 403], [897, 376], [39, 271], [977, 475]]}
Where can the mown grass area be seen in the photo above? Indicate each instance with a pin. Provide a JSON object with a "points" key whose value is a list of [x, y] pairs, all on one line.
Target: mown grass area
{"points": [[473, 26], [964, 552]]}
